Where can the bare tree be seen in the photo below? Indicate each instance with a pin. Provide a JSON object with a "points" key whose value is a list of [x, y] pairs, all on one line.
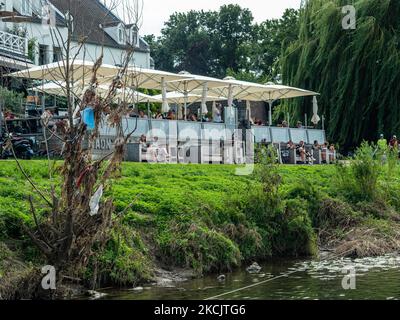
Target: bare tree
{"points": [[80, 213]]}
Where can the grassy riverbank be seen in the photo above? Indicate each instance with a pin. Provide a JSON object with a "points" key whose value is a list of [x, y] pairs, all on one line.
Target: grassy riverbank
{"points": [[208, 219]]}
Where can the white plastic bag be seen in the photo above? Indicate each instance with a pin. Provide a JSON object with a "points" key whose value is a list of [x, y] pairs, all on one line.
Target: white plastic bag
{"points": [[95, 201]]}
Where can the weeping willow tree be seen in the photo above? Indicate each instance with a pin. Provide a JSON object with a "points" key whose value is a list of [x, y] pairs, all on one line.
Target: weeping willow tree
{"points": [[356, 71]]}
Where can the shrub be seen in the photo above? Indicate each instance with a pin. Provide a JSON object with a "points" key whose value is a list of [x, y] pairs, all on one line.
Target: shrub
{"points": [[197, 247], [296, 236], [124, 260], [358, 181]]}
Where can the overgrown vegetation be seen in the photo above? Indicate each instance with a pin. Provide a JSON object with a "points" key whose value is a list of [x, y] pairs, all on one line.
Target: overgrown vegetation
{"points": [[208, 219]]}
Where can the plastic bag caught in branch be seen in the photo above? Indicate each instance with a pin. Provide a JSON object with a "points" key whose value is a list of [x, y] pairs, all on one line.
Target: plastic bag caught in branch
{"points": [[95, 201]]}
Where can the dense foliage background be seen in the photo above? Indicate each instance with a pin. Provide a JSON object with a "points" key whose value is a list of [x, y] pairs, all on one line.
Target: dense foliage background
{"points": [[356, 71]]}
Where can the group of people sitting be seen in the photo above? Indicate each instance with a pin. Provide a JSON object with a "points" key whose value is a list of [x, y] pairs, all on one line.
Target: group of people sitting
{"points": [[153, 151], [306, 156], [283, 124], [171, 115]]}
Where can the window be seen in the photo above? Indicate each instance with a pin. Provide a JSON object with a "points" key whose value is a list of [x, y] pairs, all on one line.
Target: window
{"points": [[134, 38], [42, 55], [57, 54], [25, 7], [121, 34]]}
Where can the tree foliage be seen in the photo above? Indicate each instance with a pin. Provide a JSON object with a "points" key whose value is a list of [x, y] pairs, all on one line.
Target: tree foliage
{"points": [[356, 71], [224, 42]]}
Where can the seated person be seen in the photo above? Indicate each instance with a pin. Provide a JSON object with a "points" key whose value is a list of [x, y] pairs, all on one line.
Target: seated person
{"points": [[218, 117], [285, 124], [316, 146], [290, 145], [299, 125], [159, 116], [301, 151], [171, 115], [142, 115], [324, 153], [193, 117], [143, 143], [157, 153], [332, 151]]}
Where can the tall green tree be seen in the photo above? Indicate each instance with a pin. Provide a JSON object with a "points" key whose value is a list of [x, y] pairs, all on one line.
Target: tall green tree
{"points": [[357, 71], [204, 42], [273, 36]]}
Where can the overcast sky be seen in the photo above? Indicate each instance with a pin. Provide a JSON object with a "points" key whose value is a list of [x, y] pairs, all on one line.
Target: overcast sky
{"points": [[156, 12]]}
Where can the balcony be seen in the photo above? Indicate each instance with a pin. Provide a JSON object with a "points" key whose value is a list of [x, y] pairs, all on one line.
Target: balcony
{"points": [[13, 44]]}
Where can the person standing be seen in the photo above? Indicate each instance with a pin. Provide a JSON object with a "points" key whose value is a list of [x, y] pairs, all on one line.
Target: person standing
{"points": [[382, 143]]}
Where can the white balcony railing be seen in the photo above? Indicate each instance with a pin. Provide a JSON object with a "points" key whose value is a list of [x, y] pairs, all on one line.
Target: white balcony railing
{"points": [[13, 43]]}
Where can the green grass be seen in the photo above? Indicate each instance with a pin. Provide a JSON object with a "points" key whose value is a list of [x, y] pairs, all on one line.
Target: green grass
{"points": [[196, 216]]}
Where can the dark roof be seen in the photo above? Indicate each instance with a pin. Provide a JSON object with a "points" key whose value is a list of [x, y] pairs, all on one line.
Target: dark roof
{"points": [[89, 17]]}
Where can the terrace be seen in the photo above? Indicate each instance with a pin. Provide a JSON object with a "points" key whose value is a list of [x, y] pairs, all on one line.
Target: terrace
{"points": [[182, 141], [13, 44]]}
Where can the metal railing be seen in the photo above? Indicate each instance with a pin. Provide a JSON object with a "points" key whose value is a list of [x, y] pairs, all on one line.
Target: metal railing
{"points": [[13, 43]]}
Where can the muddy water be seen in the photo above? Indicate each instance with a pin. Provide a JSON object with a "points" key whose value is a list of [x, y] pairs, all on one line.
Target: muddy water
{"points": [[373, 278]]}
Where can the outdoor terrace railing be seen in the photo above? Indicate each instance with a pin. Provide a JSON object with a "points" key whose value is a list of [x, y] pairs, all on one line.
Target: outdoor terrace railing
{"points": [[187, 130], [208, 140], [283, 135], [13, 43]]}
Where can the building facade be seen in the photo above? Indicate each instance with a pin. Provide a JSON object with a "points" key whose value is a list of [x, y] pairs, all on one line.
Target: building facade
{"points": [[35, 32]]}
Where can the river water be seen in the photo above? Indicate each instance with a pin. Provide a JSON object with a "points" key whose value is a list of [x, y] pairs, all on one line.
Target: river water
{"points": [[373, 278]]}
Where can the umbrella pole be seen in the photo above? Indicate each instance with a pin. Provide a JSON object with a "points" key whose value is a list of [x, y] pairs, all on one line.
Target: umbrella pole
{"points": [[1, 117], [185, 105], [148, 109], [270, 102]]}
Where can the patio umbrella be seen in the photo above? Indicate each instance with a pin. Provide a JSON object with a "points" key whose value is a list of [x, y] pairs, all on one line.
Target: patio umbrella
{"points": [[127, 95], [270, 93], [315, 118], [180, 98], [81, 73]]}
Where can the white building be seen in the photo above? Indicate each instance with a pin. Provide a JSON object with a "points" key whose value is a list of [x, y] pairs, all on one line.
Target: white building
{"points": [[35, 32]]}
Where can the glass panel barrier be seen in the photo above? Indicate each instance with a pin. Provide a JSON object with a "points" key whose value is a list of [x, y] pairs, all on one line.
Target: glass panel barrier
{"points": [[297, 135], [280, 135], [316, 135], [165, 128], [189, 130], [261, 134], [213, 131]]}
